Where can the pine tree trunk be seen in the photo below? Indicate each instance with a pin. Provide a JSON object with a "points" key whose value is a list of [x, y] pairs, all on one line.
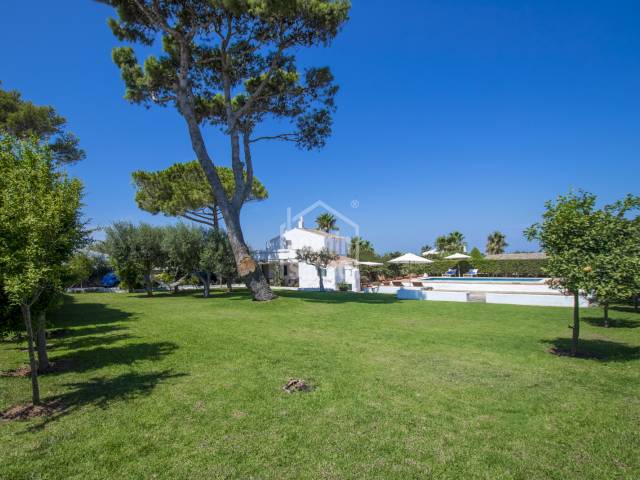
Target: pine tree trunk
{"points": [[35, 388], [41, 334], [606, 314], [576, 324], [248, 270]]}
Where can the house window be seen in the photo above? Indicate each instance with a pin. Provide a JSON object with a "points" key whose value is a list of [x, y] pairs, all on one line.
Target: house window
{"points": [[286, 270]]}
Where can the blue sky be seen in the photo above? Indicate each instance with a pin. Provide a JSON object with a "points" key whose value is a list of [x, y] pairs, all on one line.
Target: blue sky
{"points": [[463, 115]]}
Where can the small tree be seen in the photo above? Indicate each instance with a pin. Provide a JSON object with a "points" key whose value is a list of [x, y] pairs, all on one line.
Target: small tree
{"points": [[476, 254], [119, 244], [496, 243], [182, 190], [615, 263], [183, 248], [566, 234], [80, 268], [148, 253], [317, 258], [326, 222], [217, 256], [39, 228]]}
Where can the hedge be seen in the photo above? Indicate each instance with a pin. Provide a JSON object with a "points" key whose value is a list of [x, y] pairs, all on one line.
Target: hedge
{"points": [[486, 268]]}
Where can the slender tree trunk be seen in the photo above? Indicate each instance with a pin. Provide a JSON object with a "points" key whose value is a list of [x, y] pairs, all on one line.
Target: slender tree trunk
{"points": [[35, 388], [576, 324], [148, 285], [206, 281], [606, 314], [635, 303], [216, 220], [229, 284], [41, 334], [319, 270]]}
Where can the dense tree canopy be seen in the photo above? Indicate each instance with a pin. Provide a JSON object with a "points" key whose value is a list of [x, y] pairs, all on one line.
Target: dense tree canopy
{"points": [[40, 227], [22, 119], [182, 190]]}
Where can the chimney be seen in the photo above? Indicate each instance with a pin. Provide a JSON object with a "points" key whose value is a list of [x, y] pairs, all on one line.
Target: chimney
{"points": [[301, 222]]}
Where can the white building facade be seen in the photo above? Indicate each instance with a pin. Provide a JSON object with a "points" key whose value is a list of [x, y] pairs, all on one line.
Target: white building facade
{"points": [[279, 260]]}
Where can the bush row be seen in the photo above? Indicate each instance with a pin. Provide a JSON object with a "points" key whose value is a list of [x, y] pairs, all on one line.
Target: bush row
{"points": [[487, 268]]}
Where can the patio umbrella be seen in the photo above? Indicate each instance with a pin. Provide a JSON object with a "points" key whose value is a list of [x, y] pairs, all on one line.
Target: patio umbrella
{"points": [[371, 264], [428, 253], [458, 256], [410, 259]]}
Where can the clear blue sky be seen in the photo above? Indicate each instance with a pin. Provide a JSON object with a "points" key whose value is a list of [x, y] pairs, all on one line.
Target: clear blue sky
{"points": [[452, 114]]}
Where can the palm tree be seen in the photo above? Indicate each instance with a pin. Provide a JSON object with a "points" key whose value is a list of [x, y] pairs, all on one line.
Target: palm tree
{"points": [[326, 222], [496, 243], [363, 248], [455, 242]]}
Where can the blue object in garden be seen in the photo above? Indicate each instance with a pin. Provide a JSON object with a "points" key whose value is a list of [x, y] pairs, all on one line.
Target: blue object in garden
{"points": [[110, 280]]}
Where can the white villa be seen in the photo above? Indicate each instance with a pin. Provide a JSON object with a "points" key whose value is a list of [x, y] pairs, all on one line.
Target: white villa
{"points": [[280, 253]]}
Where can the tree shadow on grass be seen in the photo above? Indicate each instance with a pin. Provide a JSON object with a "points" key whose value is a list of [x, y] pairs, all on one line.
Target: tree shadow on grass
{"points": [[102, 392], [613, 322], [601, 350], [76, 314], [624, 308], [340, 297], [100, 357], [76, 343]]}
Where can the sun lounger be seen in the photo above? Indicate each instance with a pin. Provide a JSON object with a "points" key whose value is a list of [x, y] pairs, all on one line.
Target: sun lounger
{"points": [[471, 273], [397, 284], [450, 273], [417, 284]]}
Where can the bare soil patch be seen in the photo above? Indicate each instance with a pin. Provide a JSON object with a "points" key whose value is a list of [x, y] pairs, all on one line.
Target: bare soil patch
{"points": [[296, 385], [25, 371], [27, 411]]}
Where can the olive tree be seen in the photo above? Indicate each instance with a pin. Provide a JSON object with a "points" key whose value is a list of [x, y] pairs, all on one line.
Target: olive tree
{"points": [[232, 64], [119, 246], [317, 258], [148, 253], [182, 245], [217, 257]]}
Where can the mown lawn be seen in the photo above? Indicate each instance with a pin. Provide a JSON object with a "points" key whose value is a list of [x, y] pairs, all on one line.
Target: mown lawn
{"points": [[181, 387]]}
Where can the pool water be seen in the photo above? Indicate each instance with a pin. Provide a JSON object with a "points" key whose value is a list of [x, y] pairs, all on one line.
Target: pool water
{"points": [[482, 279]]}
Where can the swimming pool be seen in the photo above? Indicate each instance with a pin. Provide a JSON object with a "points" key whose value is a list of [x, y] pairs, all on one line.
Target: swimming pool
{"points": [[483, 279]]}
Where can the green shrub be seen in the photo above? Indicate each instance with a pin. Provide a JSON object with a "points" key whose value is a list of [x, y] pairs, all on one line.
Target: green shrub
{"points": [[486, 268]]}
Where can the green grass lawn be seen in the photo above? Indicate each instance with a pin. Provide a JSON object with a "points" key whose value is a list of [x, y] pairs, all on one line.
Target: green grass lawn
{"points": [[181, 387]]}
